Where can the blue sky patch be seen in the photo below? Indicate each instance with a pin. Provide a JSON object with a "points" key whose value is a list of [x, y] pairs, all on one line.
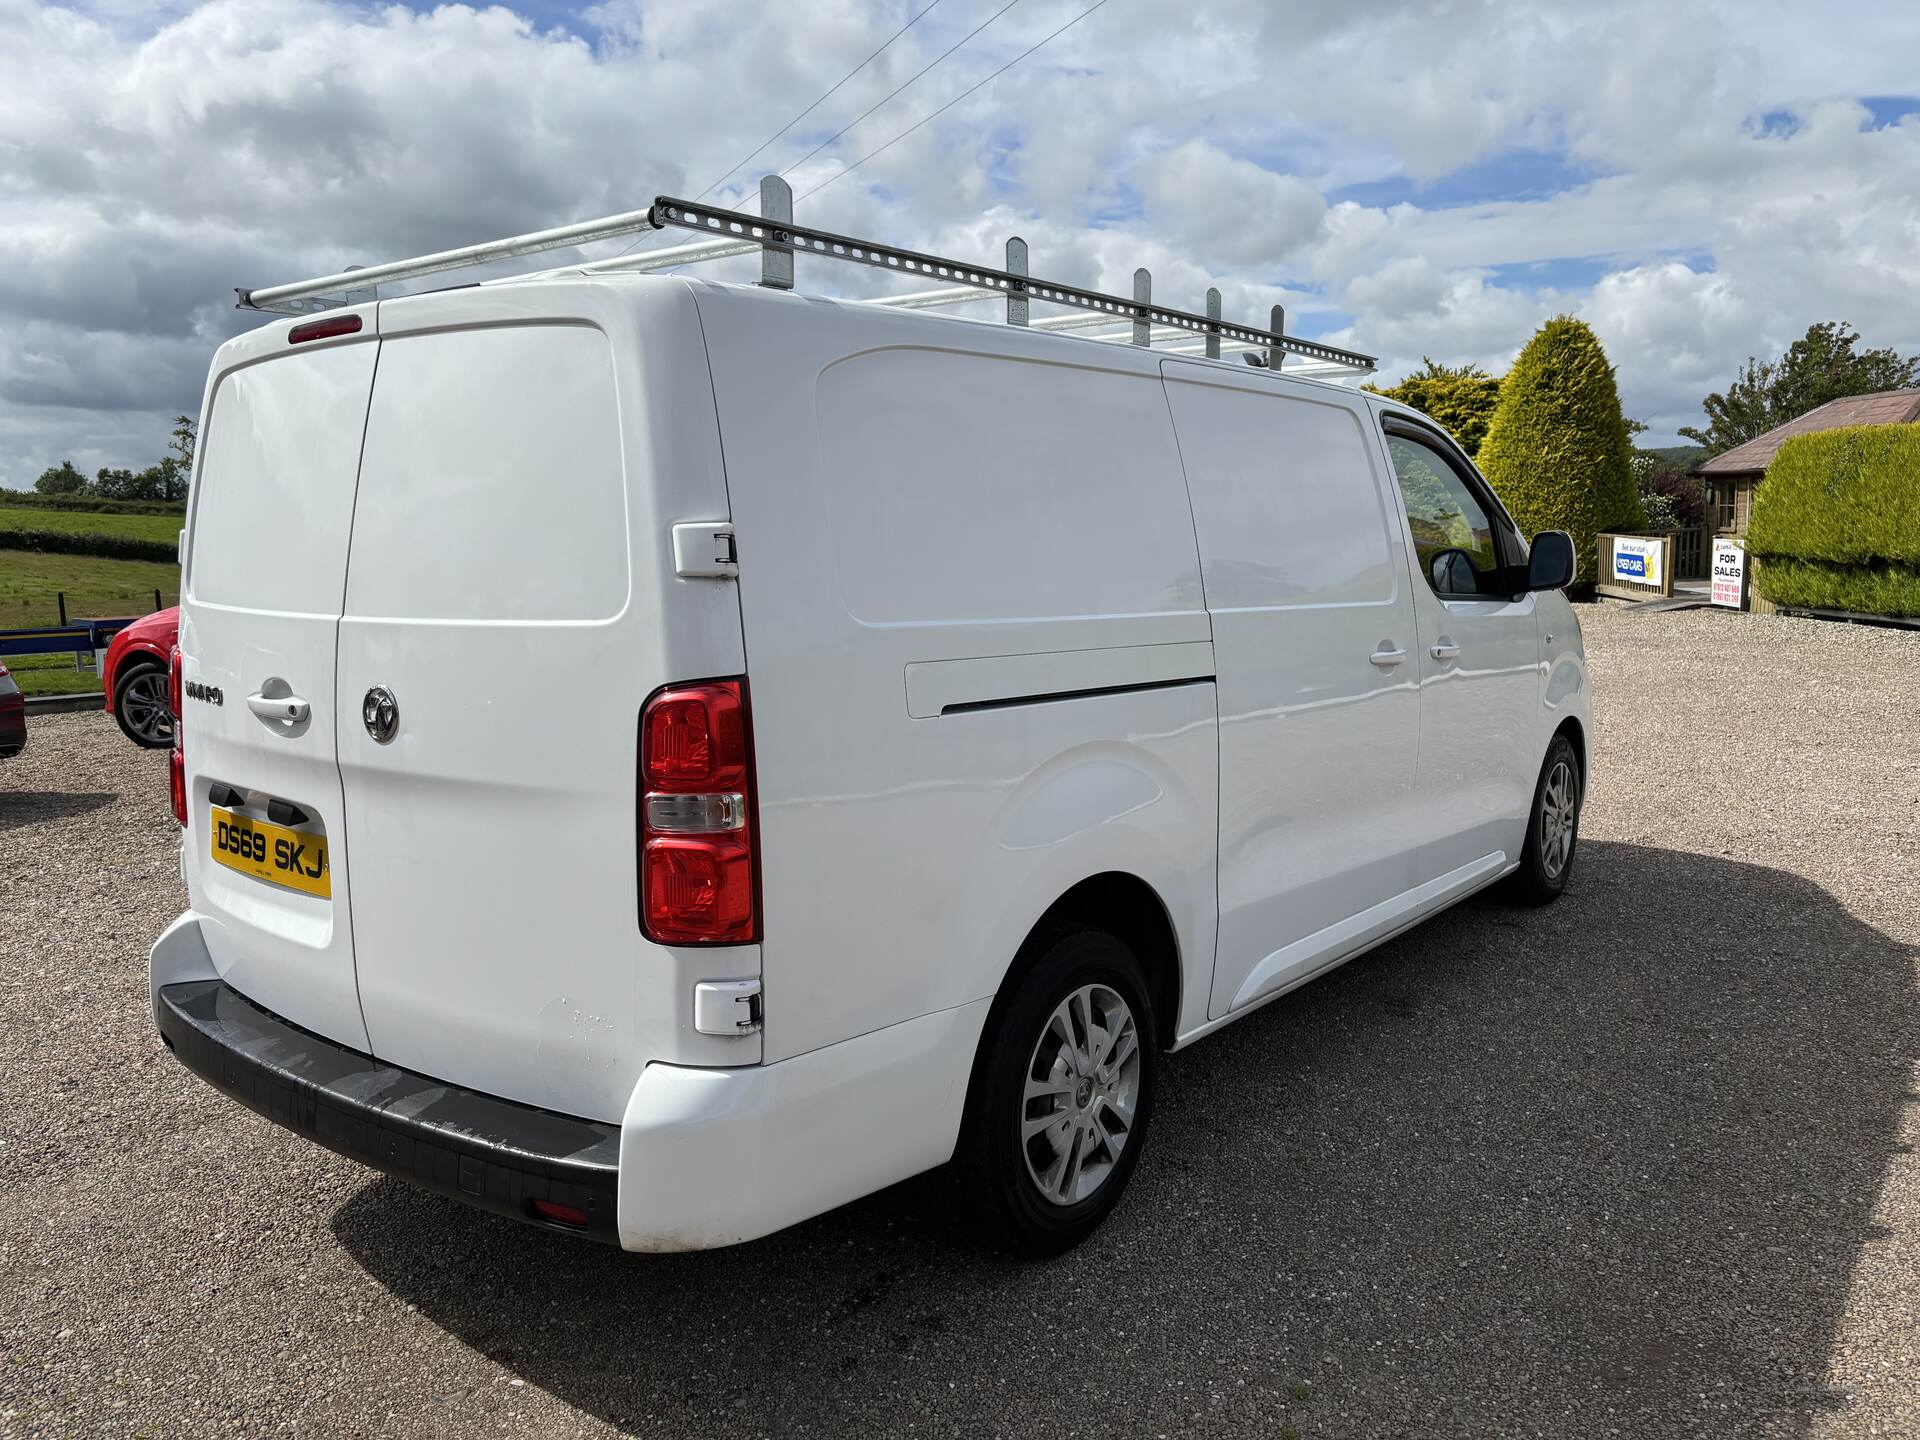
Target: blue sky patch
{"points": [[1889, 109], [1523, 174]]}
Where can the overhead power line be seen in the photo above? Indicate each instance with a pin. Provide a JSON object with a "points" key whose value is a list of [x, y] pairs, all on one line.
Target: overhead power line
{"points": [[748, 158], [953, 102], [877, 104]]}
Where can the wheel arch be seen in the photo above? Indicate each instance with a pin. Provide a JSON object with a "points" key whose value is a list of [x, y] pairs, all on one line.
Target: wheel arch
{"points": [[137, 654], [1133, 912], [1576, 734]]}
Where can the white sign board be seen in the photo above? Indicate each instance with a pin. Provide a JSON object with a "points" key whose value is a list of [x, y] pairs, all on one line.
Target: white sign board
{"points": [[1638, 560], [1729, 573]]}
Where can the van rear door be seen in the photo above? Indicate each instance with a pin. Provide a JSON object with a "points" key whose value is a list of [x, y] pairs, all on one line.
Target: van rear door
{"points": [[511, 595], [272, 510]]}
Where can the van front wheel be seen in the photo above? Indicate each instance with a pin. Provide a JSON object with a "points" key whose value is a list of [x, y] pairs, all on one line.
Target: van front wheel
{"points": [[1553, 829], [1062, 1094]]}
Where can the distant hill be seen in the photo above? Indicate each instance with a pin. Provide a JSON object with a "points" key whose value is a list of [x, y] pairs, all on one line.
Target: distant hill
{"points": [[1675, 457]]}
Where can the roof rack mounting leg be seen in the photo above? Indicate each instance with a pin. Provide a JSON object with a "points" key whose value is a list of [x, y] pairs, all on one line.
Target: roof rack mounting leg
{"points": [[1142, 299], [1017, 293], [1213, 313], [776, 252], [1276, 355]]}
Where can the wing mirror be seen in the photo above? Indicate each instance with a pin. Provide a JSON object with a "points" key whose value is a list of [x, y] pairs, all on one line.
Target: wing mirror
{"points": [[1550, 561]]}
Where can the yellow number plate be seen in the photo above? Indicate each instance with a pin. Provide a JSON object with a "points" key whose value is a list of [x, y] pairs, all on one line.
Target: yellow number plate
{"points": [[271, 852]]}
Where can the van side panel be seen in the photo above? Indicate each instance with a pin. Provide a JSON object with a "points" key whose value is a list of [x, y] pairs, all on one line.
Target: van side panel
{"points": [[910, 492], [1319, 730]]}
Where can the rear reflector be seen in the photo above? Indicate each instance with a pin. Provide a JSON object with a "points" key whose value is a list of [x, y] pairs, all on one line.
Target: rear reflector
{"points": [[698, 882], [177, 783], [560, 1214], [176, 757], [324, 329]]}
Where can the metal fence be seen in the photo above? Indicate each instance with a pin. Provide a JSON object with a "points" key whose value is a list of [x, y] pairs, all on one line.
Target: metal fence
{"points": [[67, 607]]}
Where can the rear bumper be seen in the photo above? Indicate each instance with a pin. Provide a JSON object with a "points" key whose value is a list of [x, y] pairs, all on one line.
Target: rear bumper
{"points": [[701, 1157], [488, 1152]]}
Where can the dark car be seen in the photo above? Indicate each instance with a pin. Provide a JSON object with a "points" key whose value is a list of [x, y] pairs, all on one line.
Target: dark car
{"points": [[13, 716], [134, 676]]}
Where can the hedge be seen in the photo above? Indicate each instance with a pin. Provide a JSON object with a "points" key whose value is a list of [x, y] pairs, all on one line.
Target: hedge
{"points": [[34, 500], [1557, 449], [107, 547], [1818, 585], [1848, 497]]}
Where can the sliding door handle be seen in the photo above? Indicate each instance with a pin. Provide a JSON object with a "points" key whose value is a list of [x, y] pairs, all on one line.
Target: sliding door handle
{"points": [[1387, 659]]}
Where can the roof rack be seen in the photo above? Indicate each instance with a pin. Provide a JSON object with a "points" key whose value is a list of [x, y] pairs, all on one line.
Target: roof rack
{"points": [[773, 233]]}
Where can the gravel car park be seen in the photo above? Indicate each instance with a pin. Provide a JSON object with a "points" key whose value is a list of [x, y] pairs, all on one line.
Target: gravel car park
{"points": [[1642, 1162]]}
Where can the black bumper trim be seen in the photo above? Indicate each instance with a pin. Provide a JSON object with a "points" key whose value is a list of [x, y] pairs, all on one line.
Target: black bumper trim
{"points": [[493, 1153]]}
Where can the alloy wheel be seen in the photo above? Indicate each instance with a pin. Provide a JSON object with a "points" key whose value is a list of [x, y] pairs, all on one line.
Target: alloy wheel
{"points": [[1082, 1088], [1559, 810], [143, 702]]}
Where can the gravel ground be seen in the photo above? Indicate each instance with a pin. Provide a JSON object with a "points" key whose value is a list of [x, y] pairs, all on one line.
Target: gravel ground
{"points": [[1640, 1163]]}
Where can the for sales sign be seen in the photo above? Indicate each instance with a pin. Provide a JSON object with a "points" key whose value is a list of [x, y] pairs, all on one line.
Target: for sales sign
{"points": [[1637, 560], [1729, 574]]}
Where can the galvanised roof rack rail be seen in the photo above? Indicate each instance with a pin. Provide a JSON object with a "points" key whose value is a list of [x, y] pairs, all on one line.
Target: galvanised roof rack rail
{"points": [[779, 240]]}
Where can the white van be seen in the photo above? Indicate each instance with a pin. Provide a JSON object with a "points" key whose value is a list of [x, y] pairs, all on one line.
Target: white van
{"points": [[660, 759]]}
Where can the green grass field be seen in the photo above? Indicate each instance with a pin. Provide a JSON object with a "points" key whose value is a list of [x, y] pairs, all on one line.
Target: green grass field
{"points": [[161, 528], [30, 584], [51, 675]]}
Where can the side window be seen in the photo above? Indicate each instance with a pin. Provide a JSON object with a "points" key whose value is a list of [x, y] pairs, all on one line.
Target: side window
{"points": [[1453, 535]]}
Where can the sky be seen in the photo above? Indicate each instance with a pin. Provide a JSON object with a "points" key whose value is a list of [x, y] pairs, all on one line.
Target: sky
{"points": [[1698, 180]]}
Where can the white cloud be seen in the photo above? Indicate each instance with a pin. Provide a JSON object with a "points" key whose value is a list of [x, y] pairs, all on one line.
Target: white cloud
{"points": [[151, 158]]}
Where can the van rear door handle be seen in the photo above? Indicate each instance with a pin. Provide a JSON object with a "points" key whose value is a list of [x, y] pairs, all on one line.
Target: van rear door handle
{"points": [[1387, 659], [1445, 650], [288, 709]]}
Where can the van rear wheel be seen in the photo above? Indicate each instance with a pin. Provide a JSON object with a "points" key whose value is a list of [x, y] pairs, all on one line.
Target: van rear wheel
{"points": [[1062, 1093], [1553, 828]]}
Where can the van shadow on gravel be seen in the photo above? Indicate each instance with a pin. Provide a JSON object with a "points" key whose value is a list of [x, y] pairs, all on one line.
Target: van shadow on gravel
{"points": [[32, 807], [1610, 1163]]}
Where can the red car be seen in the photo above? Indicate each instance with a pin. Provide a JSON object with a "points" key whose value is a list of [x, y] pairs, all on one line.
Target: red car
{"points": [[134, 677]]}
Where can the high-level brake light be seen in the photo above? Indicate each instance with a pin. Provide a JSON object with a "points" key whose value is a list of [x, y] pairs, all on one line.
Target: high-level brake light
{"points": [[697, 881], [324, 329]]}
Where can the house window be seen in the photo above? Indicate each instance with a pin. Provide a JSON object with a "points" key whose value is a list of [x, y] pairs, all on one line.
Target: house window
{"points": [[1723, 506]]}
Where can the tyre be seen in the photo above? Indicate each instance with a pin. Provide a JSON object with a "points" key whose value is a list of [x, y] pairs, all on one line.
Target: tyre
{"points": [[1553, 829], [1062, 1093], [140, 706]]}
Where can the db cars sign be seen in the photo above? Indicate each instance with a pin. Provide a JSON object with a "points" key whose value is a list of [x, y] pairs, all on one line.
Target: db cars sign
{"points": [[1637, 561]]}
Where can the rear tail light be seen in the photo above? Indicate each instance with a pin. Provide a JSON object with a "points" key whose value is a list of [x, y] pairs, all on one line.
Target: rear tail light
{"points": [[176, 757], [697, 865]]}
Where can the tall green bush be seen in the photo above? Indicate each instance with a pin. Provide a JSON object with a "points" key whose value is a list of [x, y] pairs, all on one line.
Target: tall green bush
{"points": [[1557, 449], [1836, 521], [1462, 398]]}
